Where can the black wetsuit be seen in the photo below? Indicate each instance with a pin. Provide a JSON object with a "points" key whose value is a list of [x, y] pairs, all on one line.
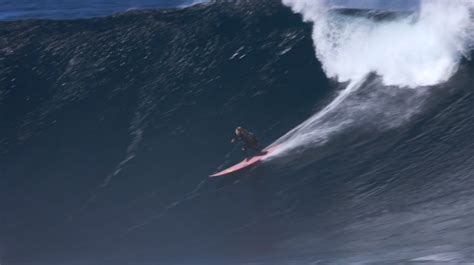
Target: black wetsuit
{"points": [[249, 140]]}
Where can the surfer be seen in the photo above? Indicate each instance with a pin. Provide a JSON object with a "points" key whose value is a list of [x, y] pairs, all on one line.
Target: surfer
{"points": [[249, 142], [248, 139]]}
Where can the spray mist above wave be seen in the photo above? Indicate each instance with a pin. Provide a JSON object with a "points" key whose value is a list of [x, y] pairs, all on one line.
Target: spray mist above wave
{"points": [[422, 49], [419, 50]]}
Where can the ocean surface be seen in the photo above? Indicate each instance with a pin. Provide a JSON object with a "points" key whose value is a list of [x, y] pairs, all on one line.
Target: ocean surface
{"points": [[110, 126], [71, 9]]}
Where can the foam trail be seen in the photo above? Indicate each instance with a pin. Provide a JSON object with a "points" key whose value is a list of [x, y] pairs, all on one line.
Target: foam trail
{"points": [[305, 131], [407, 52]]}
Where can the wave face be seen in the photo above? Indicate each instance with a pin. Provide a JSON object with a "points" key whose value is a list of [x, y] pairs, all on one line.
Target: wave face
{"points": [[110, 127]]}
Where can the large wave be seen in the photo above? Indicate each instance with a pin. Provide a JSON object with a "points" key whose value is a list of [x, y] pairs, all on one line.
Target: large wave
{"points": [[403, 52], [110, 127]]}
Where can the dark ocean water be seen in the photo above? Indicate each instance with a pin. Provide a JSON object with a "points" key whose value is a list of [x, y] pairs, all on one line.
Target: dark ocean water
{"points": [[70, 9], [110, 127]]}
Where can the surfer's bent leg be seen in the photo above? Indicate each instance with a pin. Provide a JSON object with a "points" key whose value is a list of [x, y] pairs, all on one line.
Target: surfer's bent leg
{"points": [[255, 147], [245, 150]]}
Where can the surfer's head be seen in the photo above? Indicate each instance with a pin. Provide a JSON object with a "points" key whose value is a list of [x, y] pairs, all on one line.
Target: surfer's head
{"points": [[238, 130]]}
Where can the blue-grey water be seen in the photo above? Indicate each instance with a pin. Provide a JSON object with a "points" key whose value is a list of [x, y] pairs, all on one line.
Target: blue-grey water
{"points": [[72, 9]]}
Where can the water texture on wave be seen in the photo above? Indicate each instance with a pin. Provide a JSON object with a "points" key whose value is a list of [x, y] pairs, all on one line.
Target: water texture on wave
{"points": [[110, 125]]}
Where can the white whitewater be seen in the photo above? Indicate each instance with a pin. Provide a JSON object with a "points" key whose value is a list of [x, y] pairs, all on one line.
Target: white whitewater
{"points": [[408, 53]]}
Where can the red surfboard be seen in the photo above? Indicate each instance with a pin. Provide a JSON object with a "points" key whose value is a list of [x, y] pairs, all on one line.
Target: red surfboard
{"points": [[246, 163]]}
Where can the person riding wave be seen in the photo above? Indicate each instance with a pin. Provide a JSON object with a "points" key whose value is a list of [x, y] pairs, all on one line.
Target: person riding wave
{"points": [[248, 139]]}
